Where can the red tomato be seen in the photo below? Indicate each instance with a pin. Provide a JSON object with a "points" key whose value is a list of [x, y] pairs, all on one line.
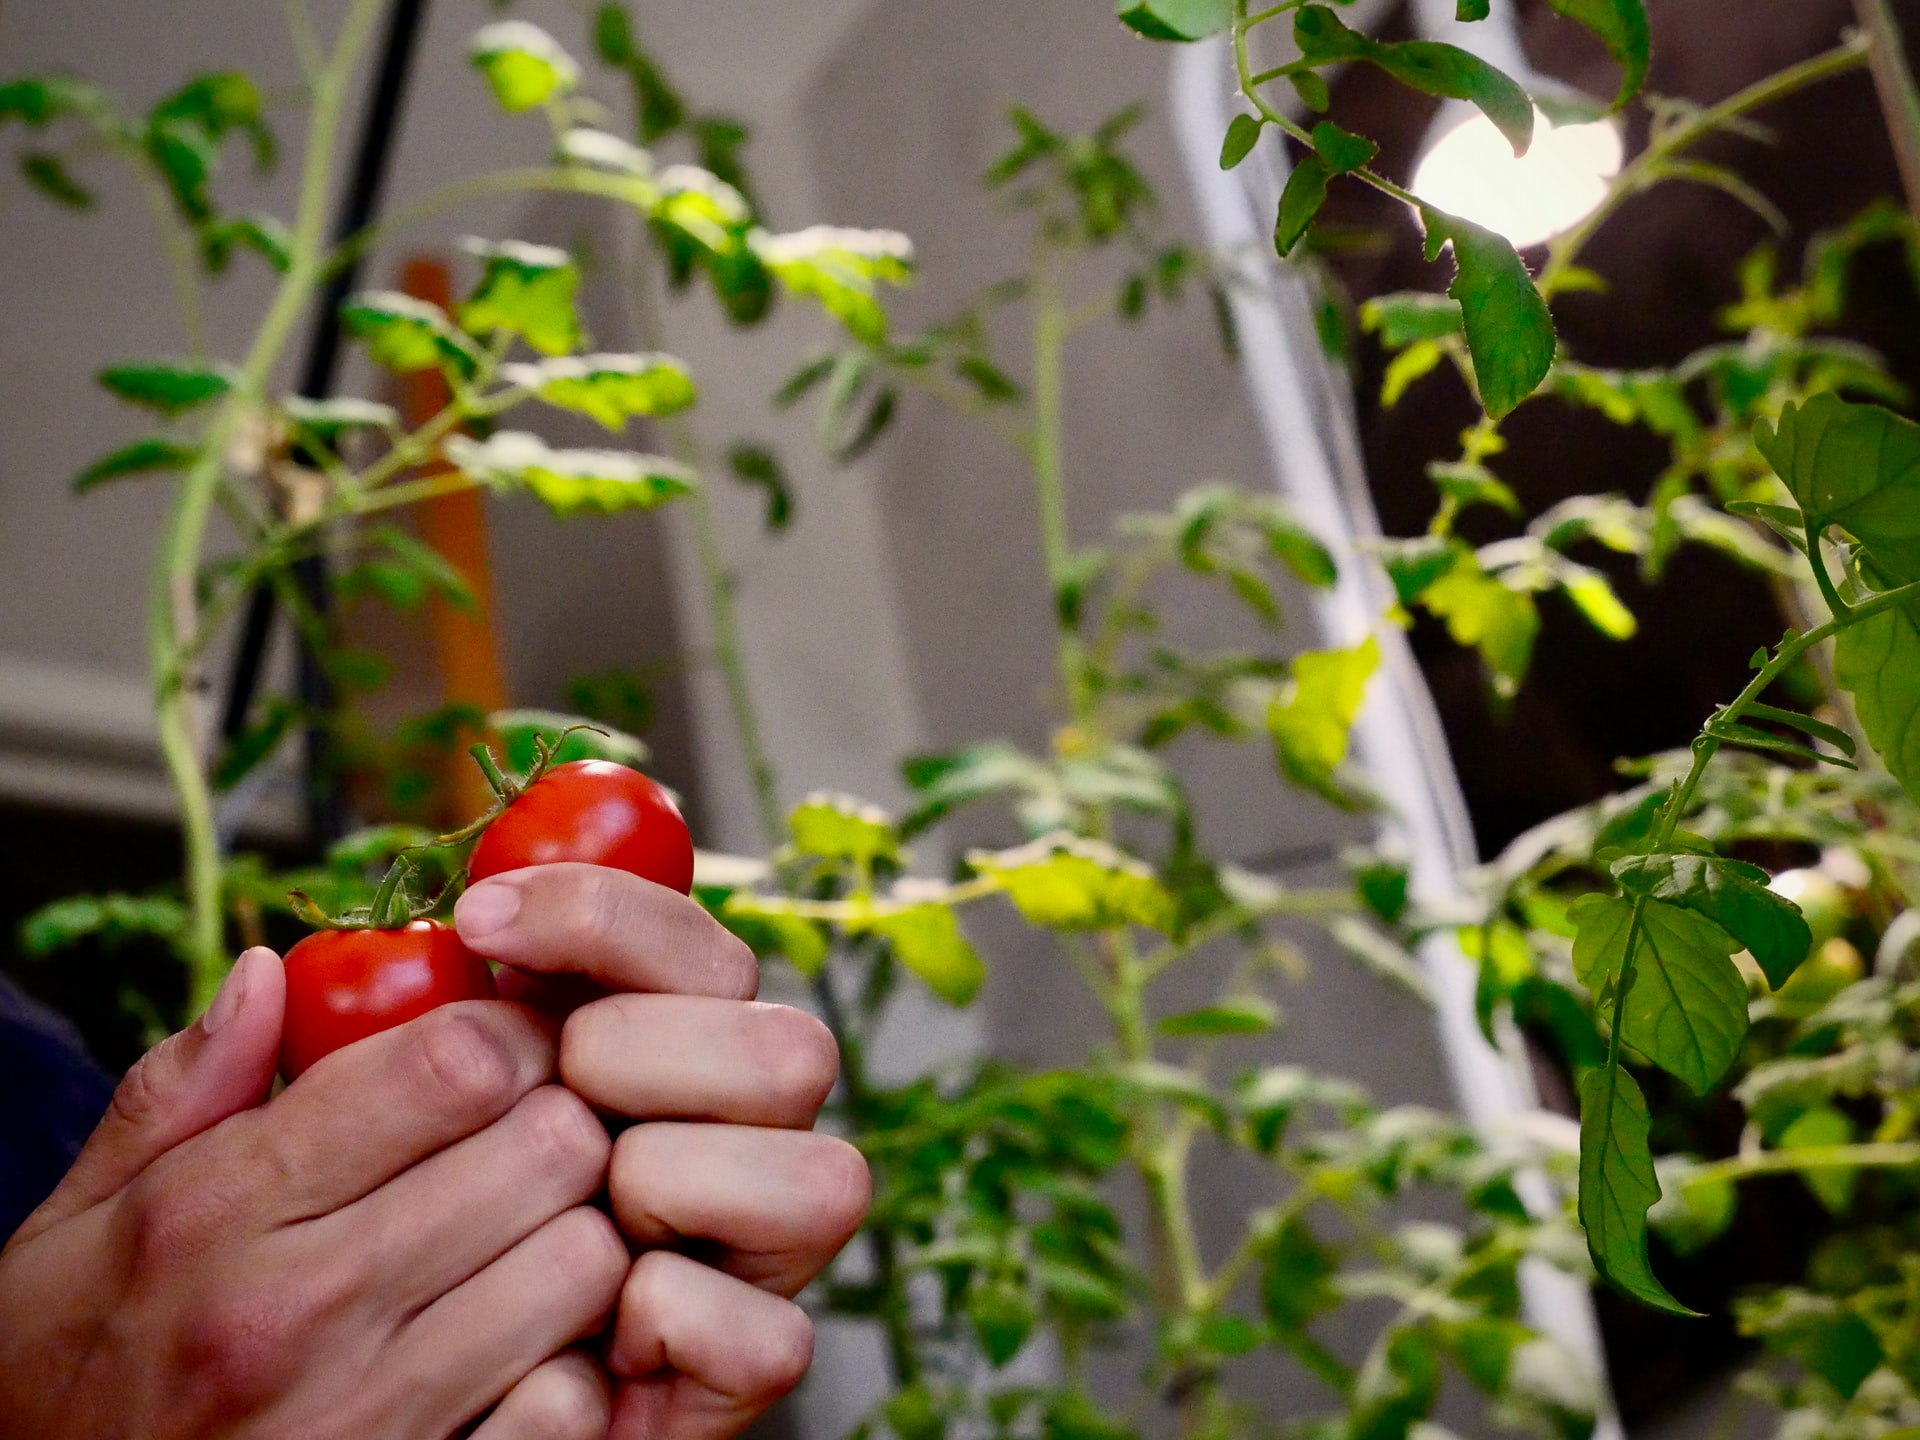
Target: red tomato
{"points": [[596, 812], [344, 985]]}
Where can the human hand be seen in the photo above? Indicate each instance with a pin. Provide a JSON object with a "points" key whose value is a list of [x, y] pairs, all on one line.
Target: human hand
{"points": [[389, 1247], [661, 1028]]}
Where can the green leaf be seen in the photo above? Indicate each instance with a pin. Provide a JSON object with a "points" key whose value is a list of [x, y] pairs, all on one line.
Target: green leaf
{"points": [[1481, 612], [1305, 193], [326, 420], [839, 827], [1691, 1213], [1429, 66], [1819, 729], [170, 389], [1175, 19], [1856, 466], [609, 388], [1244, 1015], [769, 930], [1819, 1331], [570, 481], [245, 751], [1732, 894], [50, 176], [1622, 28], [1065, 882], [518, 729], [1618, 1186], [1002, 1316], [756, 465], [1466, 10], [523, 63], [1822, 1126], [110, 919], [1509, 329], [405, 334], [265, 236], [702, 206], [1467, 483], [1686, 1005], [141, 457], [1343, 150], [1296, 1279], [842, 268], [1312, 723], [1311, 89], [1593, 593], [38, 100], [927, 940], [1243, 133], [1409, 316], [1877, 660], [526, 290]]}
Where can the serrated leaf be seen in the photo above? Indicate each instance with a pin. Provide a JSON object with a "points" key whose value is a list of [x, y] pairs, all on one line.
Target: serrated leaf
{"points": [[1686, 1005], [1002, 1316], [1856, 466], [1175, 19], [1311, 724], [525, 290], [1429, 66], [1623, 29], [169, 389], [1508, 327], [1305, 193], [1479, 611], [1244, 1015], [611, 389], [138, 458], [1732, 894], [1065, 882], [405, 334], [1877, 660], [840, 827], [570, 481], [1343, 150], [1243, 133], [841, 268], [927, 940], [523, 64], [1618, 1185]]}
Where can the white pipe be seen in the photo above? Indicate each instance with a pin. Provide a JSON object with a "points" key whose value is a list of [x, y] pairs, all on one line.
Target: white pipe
{"points": [[1304, 409]]}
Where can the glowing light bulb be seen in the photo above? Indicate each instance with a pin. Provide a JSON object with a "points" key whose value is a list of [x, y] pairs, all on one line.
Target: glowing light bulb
{"points": [[1470, 171]]}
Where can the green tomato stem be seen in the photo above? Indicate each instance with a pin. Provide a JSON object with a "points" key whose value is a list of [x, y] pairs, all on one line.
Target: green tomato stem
{"points": [[1899, 95]]}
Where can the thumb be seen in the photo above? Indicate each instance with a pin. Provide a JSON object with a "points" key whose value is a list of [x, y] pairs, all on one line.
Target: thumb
{"points": [[221, 1064]]}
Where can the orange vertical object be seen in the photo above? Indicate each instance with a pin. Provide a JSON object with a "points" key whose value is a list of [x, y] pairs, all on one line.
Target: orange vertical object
{"points": [[455, 525]]}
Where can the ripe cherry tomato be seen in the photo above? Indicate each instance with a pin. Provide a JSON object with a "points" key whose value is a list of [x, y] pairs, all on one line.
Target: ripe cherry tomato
{"points": [[344, 985], [595, 812]]}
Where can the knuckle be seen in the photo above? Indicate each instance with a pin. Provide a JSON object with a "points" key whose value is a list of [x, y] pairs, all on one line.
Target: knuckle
{"points": [[566, 1137], [239, 1339], [785, 1351], [176, 1214], [562, 1400], [837, 1183], [465, 1059], [801, 1055], [588, 1255]]}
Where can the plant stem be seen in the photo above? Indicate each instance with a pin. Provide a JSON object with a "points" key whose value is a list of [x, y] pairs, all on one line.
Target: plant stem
{"points": [[173, 608], [182, 263], [1813, 1157], [1051, 326], [1899, 96], [1644, 169]]}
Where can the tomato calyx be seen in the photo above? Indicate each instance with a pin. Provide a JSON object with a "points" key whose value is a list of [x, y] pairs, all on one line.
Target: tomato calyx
{"points": [[393, 907]]}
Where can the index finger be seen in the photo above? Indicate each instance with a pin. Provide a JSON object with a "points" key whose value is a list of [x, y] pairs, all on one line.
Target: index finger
{"points": [[611, 927]]}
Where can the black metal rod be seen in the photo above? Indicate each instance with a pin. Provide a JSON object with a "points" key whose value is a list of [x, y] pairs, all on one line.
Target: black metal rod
{"points": [[379, 128]]}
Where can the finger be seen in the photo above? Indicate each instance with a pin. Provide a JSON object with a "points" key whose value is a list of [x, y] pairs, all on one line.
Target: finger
{"points": [[376, 1107], [779, 1203], [615, 928], [455, 1213], [564, 1399], [705, 1353], [221, 1064], [695, 1058], [470, 1347]]}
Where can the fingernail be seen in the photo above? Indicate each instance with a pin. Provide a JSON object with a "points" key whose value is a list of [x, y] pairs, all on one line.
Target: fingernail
{"points": [[226, 1004], [485, 909]]}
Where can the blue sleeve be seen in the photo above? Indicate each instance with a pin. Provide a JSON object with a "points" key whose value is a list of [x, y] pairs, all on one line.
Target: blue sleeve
{"points": [[52, 1094]]}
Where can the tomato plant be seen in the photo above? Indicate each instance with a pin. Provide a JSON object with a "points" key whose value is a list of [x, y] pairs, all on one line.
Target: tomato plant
{"points": [[344, 985], [596, 812]]}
